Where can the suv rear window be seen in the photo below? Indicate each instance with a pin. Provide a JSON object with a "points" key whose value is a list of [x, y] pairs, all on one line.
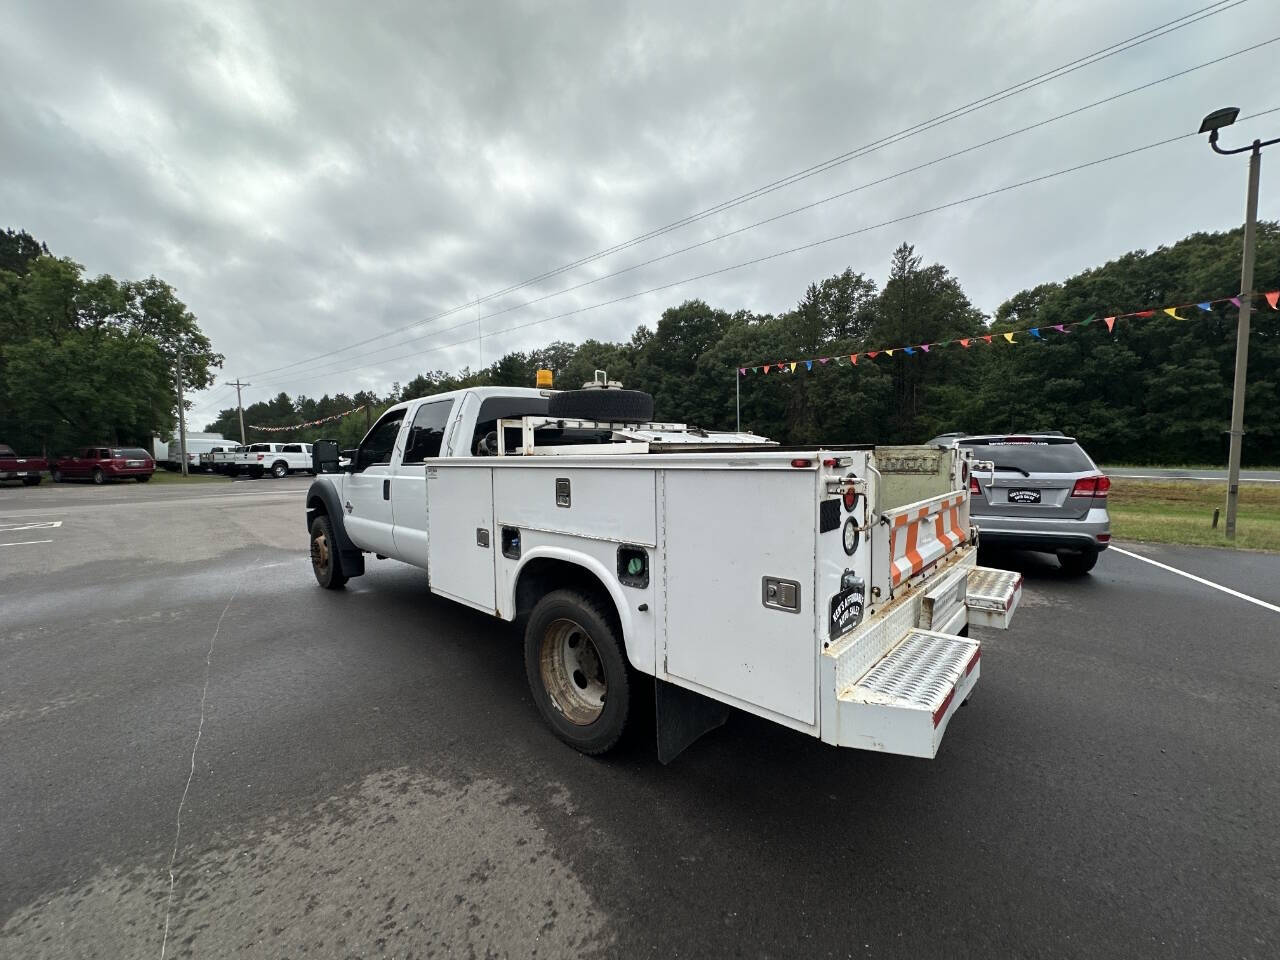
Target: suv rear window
{"points": [[1032, 455], [130, 453]]}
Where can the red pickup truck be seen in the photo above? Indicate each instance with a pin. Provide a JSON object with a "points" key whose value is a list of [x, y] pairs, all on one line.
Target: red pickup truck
{"points": [[26, 469], [101, 464]]}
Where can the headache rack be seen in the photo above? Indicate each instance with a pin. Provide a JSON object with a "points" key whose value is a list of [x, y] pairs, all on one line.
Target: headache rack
{"points": [[618, 437]]}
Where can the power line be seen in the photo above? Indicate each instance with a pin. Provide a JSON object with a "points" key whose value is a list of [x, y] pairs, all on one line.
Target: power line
{"points": [[810, 245], [1153, 33], [337, 365]]}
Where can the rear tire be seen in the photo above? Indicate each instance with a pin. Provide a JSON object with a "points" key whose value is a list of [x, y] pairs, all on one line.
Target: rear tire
{"points": [[98, 476], [279, 469], [1078, 564], [624, 406], [142, 479], [577, 670], [326, 561]]}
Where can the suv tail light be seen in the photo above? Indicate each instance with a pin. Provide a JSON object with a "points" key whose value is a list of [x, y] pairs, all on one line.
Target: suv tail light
{"points": [[1092, 487], [974, 489], [259, 456]]}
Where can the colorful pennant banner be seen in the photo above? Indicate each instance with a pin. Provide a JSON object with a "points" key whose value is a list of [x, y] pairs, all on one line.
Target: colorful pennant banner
{"points": [[1036, 333], [309, 423]]}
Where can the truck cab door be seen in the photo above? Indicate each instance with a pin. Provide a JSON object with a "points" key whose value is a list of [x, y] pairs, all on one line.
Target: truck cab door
{"points": [[366, 491], [409, 486]]}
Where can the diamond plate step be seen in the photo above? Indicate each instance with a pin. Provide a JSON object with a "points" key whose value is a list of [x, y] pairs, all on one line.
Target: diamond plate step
{"points": [[992, 596]]}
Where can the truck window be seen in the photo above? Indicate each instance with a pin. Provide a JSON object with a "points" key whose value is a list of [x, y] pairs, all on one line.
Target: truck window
{"points": [[291, 448], [503, 408], [427, 431], [380, 441]]}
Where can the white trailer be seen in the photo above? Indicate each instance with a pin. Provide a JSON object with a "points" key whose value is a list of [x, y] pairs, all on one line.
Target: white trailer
{"points": [[828, 589]]}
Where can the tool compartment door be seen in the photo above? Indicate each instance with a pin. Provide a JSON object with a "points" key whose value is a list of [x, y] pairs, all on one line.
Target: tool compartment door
{"points": [[460, 517], [723, 532]]}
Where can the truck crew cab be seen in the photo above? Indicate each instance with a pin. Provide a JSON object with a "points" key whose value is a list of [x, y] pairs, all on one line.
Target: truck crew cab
{"points": [[829, 589]]}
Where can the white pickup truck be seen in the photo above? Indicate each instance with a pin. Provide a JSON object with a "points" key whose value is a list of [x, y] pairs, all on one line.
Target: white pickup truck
{"points": [[277, 459], [829, 589]]}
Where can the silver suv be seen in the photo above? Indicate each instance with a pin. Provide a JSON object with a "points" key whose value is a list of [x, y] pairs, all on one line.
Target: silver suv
{"points": [[1044, 494]]}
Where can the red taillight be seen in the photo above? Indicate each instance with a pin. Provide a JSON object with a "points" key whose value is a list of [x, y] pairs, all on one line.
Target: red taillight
{"points": [[260, 457], [850, 498], [1092, 487], [797, 462], [974, 489], [1104, 538]]}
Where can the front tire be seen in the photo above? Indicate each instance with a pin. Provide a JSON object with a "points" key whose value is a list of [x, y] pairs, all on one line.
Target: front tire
{"points": [[577, 670], [1078, 564], [326, 561], [279, 469], [98, 476]]}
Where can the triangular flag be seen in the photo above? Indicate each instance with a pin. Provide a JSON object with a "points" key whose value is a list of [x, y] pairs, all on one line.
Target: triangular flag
{"points": [[1173, 312], [1273, 298], [742, 371], [1009, 337], [1145, 313], [946, 343], [1088, 320], [964, 342], [1110, 322], [766, 367], [924, 347], [853, 359], [754, 369], [873, 353], [986, 337], [1035, 332], [1236, 301], [1206, 306], [890, 352], [808, 364], [793, 366], [1060, 328], [824, 360], [909, 351]]}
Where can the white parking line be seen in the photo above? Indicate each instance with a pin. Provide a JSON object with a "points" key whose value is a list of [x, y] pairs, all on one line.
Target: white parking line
{"points": [[1191, 576], [31, 525], [23, 543]]}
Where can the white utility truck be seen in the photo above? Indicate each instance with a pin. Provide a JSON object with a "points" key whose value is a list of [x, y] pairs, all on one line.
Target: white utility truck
{"points": [[827, 588]]}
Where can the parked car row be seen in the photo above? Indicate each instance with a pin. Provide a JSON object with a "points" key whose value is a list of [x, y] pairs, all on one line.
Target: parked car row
{"points": [[259, 459]]}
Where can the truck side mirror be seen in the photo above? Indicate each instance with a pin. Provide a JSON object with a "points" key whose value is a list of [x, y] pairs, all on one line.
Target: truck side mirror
{"points": [[324, 456]]}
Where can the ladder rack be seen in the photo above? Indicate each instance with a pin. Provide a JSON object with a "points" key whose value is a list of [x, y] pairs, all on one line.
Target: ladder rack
{"points": [[625, 437]]}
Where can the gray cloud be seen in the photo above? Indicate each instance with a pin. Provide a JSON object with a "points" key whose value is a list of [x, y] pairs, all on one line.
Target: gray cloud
{"points": [[313, 174]]}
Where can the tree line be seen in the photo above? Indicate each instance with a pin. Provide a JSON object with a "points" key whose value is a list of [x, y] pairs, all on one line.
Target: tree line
{"points": [[86, 360], [1154, 390]]}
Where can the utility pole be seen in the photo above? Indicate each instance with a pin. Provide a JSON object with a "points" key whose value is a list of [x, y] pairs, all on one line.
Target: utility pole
{"points": [[182, 418], [1211, 125], [240, 406]]}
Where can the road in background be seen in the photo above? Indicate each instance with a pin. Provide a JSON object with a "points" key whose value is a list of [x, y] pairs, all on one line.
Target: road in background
{"points": [[1189, 473], [372, 776]]}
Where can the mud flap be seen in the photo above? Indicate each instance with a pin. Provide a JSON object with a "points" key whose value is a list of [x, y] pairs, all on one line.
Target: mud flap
{"points": [[682, 717]]}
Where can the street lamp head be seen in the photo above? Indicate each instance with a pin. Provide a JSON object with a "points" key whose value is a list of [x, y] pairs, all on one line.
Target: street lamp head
{"points": [[1217, 120]]}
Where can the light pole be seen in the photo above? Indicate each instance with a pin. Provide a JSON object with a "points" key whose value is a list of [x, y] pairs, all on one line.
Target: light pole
{"points": [[1211, 125]]}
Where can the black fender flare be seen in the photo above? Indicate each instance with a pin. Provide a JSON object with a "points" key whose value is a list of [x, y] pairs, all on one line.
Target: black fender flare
{"points": [[323, 498]]}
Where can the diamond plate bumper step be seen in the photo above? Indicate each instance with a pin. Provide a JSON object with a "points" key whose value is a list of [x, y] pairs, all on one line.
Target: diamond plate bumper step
{"points": [[992, 596], [905, 701]]}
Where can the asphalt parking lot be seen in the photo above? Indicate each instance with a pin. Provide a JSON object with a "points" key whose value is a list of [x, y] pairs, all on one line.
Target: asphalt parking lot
{"points": [[362, 773]]}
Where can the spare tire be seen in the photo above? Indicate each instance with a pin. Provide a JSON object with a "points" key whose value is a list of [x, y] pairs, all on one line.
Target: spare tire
{"points": [[619, 406]]}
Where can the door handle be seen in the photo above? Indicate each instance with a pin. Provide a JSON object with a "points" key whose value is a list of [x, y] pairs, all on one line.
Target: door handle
{"points": [[386, 489]]}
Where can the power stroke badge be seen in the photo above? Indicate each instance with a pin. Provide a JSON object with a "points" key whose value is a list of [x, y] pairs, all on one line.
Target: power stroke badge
{"points": [[846, 606]]}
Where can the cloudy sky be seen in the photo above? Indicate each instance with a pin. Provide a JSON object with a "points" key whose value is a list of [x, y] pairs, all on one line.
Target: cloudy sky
{"points": [[311, 175]]}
